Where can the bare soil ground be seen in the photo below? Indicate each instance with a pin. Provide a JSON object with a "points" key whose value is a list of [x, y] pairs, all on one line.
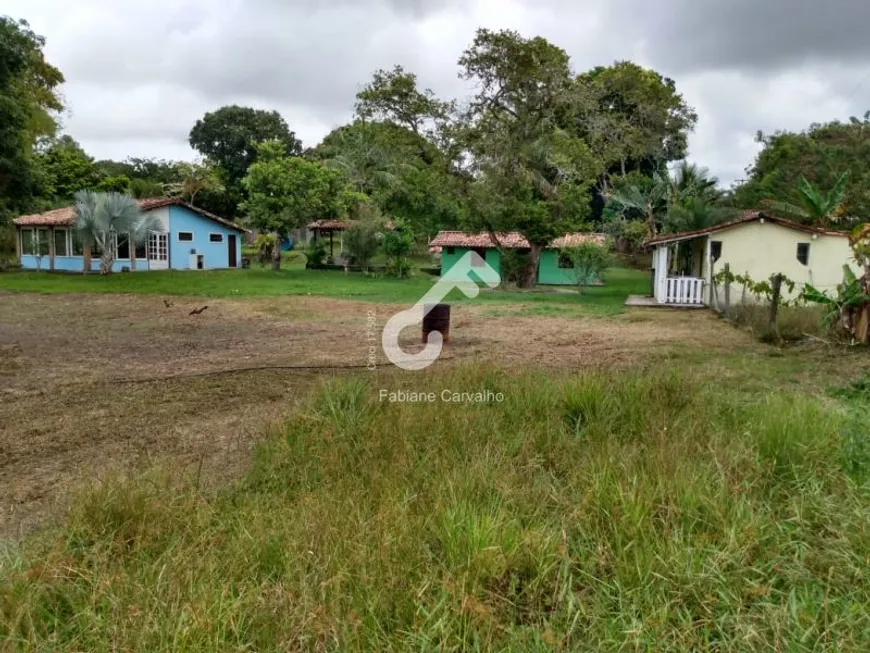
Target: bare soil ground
{"points": [[91, 384]]}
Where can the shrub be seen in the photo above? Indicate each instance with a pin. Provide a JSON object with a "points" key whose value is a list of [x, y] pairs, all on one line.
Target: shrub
{"points": [[513, 265], [316, 254], [362, 240], [590, 260], [397, 244]]}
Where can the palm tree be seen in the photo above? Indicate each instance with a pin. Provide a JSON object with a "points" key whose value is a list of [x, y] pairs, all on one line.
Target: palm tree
{"points": [[689, 180], [650, 202], [364, 164], [816, 206], [102, 218], [696, 213], [689, 193]]}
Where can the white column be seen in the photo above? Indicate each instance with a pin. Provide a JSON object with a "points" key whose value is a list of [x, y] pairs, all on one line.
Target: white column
{"points": [[661, 281]]}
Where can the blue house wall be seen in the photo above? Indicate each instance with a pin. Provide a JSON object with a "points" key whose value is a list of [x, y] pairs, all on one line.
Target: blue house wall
{"points": [[175, 219], [77, 264], [215, 255]]}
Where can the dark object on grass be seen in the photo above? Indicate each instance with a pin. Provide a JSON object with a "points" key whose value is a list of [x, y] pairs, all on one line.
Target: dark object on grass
{"points": [[198, 311], [436, 318]]}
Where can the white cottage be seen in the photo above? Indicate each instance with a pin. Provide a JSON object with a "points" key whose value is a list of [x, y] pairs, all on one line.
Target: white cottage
{"points": [[757, 245]]}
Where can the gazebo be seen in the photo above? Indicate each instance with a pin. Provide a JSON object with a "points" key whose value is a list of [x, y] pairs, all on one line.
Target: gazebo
{"points": [[320, 227]]}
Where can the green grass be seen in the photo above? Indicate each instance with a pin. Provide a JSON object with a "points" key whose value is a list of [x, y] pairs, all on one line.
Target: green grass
{"points": [[297, 281], [636, 511]]}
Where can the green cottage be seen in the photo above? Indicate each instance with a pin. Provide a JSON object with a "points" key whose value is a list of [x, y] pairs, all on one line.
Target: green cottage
{"points": [[553, 269]]}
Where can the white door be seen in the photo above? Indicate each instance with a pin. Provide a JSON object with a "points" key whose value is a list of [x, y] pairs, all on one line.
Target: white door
{"points": [[158, 251]]}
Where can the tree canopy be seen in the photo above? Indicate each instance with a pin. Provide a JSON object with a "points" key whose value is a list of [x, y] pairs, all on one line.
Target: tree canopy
{"points": [[821, 154], [229, 137], [29, 103]]}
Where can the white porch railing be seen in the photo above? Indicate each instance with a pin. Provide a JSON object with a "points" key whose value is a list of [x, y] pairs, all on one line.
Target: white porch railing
{"points": [[684, 290]]}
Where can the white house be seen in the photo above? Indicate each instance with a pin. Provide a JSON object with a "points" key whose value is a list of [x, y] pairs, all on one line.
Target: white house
{"points": [[757, 245]]}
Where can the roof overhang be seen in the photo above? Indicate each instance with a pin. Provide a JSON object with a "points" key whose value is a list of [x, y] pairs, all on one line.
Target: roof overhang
{"points": [[750, 216]]}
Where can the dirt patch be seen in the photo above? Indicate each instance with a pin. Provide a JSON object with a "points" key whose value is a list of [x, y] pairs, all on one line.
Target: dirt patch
{"points": [[91, 383]]}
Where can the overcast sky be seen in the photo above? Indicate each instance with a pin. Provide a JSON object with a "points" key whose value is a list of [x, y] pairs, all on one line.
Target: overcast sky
{"points": [[140, 73]]}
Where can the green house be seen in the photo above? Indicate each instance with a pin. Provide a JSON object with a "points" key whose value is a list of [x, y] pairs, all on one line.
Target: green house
{"points": [[554, 269]]}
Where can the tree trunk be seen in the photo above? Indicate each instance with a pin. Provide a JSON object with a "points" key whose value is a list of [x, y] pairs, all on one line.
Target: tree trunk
{"points": [[106, 261], [651, 221], [276, 253], [530, 275], [772, 331], [86, 257], [862, 317]]}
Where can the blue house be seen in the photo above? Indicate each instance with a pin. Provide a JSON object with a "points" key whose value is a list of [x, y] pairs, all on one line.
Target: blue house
{"points": [[190, 239]]}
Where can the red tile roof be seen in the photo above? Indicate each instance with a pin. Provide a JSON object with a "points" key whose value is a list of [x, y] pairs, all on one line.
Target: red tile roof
{"points": [[329, 225], [511, 240], [749, 216], [67, 215]]}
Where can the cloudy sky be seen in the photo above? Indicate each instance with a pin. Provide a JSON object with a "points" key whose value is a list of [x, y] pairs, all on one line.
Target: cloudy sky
{"points": [[141, 72]]}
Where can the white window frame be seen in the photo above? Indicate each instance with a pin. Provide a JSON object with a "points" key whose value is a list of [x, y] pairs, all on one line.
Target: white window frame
{"points": [[178, 236], [216, 242], [66, 240], [21, 240]]}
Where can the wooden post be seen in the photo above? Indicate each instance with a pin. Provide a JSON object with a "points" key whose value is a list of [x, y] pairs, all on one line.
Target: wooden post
{"points": [[86, 255], [727, 288], [774, 305], [51, 251], [132, 252]]}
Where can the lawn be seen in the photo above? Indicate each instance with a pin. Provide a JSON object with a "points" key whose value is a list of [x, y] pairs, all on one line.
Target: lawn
{"points": [[258, 282], [639, 479], [637, 510]]}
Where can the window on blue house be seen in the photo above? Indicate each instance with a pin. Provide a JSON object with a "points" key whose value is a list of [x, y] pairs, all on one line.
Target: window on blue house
{"points": [[26, 236], [61, 242], [215, 238], [122, 249], [34, 242], [185, 236]]}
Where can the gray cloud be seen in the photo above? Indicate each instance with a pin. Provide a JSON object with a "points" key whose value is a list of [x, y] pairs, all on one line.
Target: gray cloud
{"points": [[752, 35], [139, 75]]}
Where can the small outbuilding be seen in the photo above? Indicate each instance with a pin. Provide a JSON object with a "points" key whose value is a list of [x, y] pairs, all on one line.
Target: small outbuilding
{"points": [[189, 239], [756, 245], [554, 268]]}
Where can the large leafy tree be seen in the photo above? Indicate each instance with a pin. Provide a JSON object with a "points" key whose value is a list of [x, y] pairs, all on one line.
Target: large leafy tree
{"points": [[287, 192], [393, 96], [229, 138], [402, 172], [69, 169], [29, 103], [638, 120], [532, 176], [820, 154]]}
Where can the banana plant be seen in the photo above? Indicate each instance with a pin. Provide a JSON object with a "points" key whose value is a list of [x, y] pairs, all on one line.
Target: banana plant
{"points": [[850, 298], [817, 206]]}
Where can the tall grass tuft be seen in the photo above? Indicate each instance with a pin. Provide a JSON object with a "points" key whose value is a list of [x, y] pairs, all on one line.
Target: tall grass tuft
{"points": [[637, 510]]}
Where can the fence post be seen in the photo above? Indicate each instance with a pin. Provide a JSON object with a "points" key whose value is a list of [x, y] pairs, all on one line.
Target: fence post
{"points": [[774, 305], [727, 288]]}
